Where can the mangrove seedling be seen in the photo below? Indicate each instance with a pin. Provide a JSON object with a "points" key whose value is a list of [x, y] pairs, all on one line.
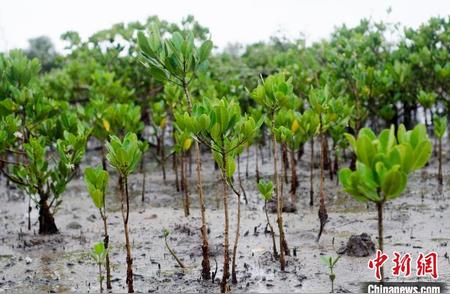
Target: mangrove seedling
{"points": [[440, 126], [96, 180], [124, 155], [331, 111], [166, 234], [178, 60], [330, 263], [266, 190], [273, 93], [219, 125], [383, 165], [98, 254]]}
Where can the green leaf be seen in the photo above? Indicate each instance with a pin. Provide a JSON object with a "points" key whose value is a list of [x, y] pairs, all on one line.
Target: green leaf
{"points": [[205, 50], [422, 154], [393, 184], [231, 167], [365, 150]]}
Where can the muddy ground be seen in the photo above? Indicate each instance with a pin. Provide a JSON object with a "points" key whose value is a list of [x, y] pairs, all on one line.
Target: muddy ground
{"points": [[418, 221]]}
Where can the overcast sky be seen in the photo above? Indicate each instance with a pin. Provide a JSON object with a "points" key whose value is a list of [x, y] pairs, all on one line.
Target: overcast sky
{"points": [[229, 21]]}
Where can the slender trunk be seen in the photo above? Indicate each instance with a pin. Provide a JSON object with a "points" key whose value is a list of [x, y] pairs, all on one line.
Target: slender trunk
{"points": [[311, 175], [107, 262], [440, 177], [206, 266], [272, 232], [185, 186], [294, 179], [279, 200], [323, 215], [125, 215], [47, 224], [174, 255], [240, 180], [226, 255], [380, 233], [236, 240], [257, 164]]}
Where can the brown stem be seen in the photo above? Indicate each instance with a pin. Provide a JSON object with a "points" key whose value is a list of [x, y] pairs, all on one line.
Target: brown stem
{"points": [[257, 165], [279, 199], [206, 266], [272, 232], [294, 179], [107, 263], [241, 185], [236, 239], [184, 185], [47, 224], [125, 215], [323, 215], [180, 263], [226, 256]]}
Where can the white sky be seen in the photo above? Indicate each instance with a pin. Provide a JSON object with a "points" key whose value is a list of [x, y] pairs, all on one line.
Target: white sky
{"points": [[243, 21]]}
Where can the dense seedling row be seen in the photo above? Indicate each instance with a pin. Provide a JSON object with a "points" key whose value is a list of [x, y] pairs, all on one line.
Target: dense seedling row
{"points": [[155, 90]]}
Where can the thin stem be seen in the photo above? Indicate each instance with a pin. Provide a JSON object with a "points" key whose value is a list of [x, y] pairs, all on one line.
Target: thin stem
{"points": [[180, 263]]}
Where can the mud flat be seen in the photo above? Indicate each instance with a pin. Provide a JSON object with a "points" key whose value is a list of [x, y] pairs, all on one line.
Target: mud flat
{"points": [[418, 221]]}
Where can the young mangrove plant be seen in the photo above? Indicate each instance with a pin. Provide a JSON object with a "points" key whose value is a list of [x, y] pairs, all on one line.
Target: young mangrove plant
{"points": [[43, 181], [177, 60], [273, 93], [440, 126], [96, 180], [330, 263], [166, 234], [124, 155], [266, 190], [98, 254], [383, 165], [41, 140], [219, 125], [331, 111]]}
